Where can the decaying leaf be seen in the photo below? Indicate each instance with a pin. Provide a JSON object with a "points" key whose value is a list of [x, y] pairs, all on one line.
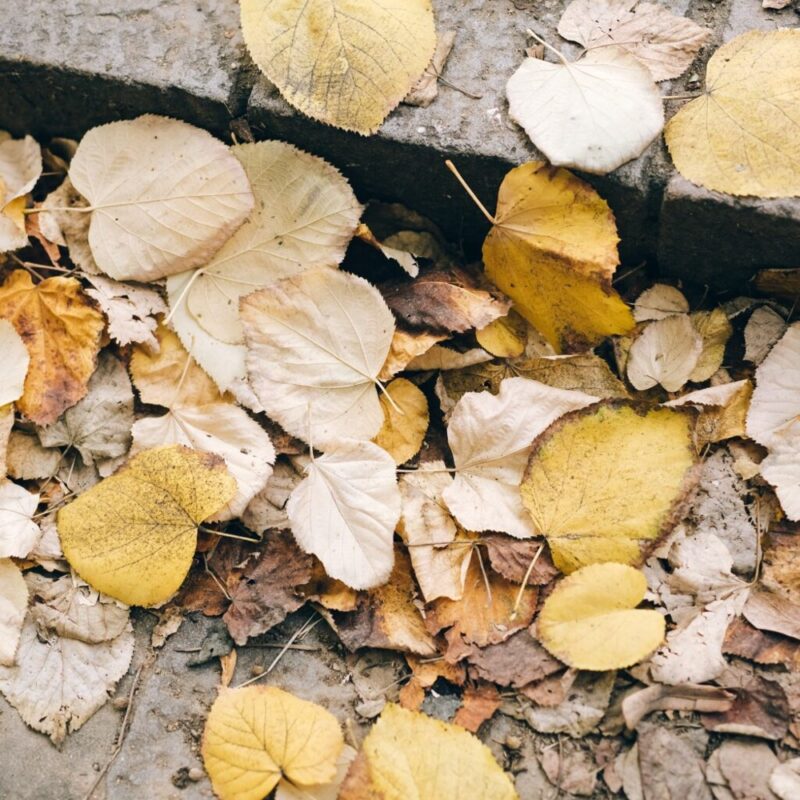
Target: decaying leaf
{"points": [[512, 558], [763, 329], [20, 168], [567, 295], [268, 508], [604, 483], [687, 697], [517, 661], [258, 735], [163, 196], [740, 136], [585, 372], [18, 532], [666, 352], [133, 535], [13, 606], [715, 330], [345, 63], [61, 331], [15, 363], [405, 421]]}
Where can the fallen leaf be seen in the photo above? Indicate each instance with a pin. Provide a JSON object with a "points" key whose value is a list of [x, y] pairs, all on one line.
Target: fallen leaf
{"points": [[505, 337], [781, 468], [746, 641], [585, 372], [133, 535], [660, 300], [18, 532], [405, 420], [580, 619], [779, 565], [557, 272], [785, 779], [313, 361], [407, 754], [15, 363], [647, 463], [602, 110], [666, 352], [327, 591], [771, 611], [739, 136], [518, 661], [760, 708], [490, 437], [745, 767], [13, 607], [659, 750], [267, 509], [512, 558], [437, 357], [322, 791], [257, 736], [723, 410], [6, 424], [64, 221], [781, 282], [61, 331], [345, 512], [163, 195], [405, 347], [686, 697], [403, 258], [763, 329], [715, 330], [570, 770], [478, 705], [665, 43], [20, 168], [348, 63], [426, 89]]}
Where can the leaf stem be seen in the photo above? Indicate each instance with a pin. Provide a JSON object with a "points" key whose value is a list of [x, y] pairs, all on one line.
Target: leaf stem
{"points": [[518, 601], [183, 294], [452, 167], [548, 46]]}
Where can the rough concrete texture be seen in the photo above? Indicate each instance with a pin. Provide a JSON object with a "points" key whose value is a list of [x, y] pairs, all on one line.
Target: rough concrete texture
{"points": [[66, 66]]}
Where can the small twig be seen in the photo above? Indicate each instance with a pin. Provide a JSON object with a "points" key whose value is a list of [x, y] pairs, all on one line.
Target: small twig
{"points": [[518, 602], [485, 577]]}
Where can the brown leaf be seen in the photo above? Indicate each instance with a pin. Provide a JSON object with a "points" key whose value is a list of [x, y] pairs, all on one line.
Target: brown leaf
{"points": [[780, 568], [570, 769], [511, 558], [478, 704], [412, 695], [586, 373], [770, 611], [427, 671], [669, 767], [743, 767], [551, 691], [518, 661], [760, 709], [686, 697], [329, 592], [746, 641], [262, 597]]}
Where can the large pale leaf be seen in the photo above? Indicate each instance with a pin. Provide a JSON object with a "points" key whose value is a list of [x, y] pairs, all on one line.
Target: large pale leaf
{"points": [[605, 483], [163, 196], [345, 62], [62, 333], [316, 344], [742, 135], [491, 437], [15, 363], [305, 215], [593, 114], [18, 532], [13, 605], [659, 301], [20, 168], [553, 251], [133, 535], [782, 469], [345, 512]]}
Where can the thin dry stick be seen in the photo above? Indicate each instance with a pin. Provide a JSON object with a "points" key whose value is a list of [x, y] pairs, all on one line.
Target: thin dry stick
{"points": [[518, 602], [452, 167], [485, 577]]}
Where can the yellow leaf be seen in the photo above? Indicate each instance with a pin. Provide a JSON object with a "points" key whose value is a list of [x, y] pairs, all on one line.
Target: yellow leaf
{"points": [[553, 251], [61, 330], [715, 330], [505, 337], [133, 535], [742, 135], [256, 735], [605, 483], [409, 755], [405, 420], [344, 62], [590, 621]]}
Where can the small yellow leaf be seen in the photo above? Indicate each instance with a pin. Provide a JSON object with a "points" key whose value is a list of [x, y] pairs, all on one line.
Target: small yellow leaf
{"points": [[590, 621], [505, 337], [406, 346], [409, 755], [405, 420], [133, 535], [605, 483], [553, 251], [256, 735], [715, 330]]}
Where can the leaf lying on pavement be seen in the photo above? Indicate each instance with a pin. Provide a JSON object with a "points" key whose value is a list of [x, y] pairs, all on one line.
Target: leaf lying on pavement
{"points": [[13, 607], [133, 535]]}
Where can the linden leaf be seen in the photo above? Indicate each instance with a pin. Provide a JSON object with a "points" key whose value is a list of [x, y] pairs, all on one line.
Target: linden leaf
{"points": [[62, 333], [553, 251], [133, 536], [322, 791], [257, 735], [20, 168], [344, 62], [581, 621], [505, 337], [18, 532], [345, 512], [781, 468], [715, 330], [315, 345], [601, 110], [659, 301], [605, 483], [490, 437], [742, 135], [305, 216], [405, 421], [163, 196], [13, 606], [664, 42], [410, 755], [15, 363]]}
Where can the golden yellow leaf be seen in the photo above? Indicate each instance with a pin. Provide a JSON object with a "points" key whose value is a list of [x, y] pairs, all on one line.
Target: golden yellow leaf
{"points": [[133, 535], [405, 420], [505, 337], [344, 62], [605, 483], [409, 755], [61, 330], [553, 251], [742, 135], [256, 735], [406, 346], [715, 330], [590, 621]]}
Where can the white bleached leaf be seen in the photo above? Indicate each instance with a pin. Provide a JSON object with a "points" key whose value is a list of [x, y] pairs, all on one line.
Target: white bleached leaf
{"points": [[658, 302], [345, 512], [165, 196], [491, 437], [20, 168], [776, 399], [15, 363], [13, 605], [719, 395], [219, 428], [18, 531], [316, 343], [593, 114], [763, 329], [665, 352], [781, 468], [99, 426]]}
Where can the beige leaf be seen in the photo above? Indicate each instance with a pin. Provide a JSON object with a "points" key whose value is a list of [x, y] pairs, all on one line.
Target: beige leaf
{"points": [[781, 468], [316, 343], [13, 605], [665, 43], [405, 422], [345, 512], [437, 357], [763, 329], [163, 196], [70, 228], [28, 460], [20, 168], [719, 395], [15, 363], [18, 531], [658, 301], [665, 352], [715, 330], [6, 424], [267, 509], [403, 258], [602, 110]]}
